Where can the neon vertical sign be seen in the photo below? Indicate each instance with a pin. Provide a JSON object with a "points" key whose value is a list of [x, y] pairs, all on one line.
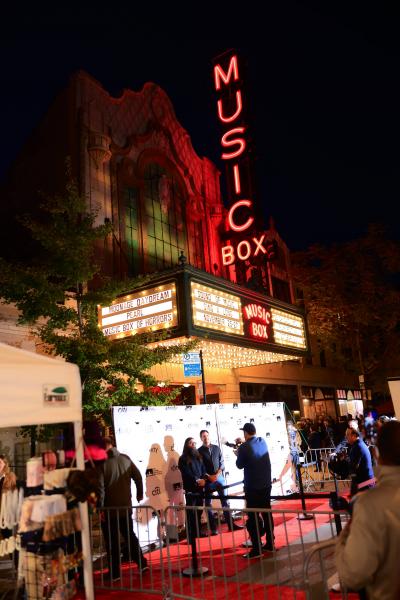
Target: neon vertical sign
{"points": [[234, 145]]}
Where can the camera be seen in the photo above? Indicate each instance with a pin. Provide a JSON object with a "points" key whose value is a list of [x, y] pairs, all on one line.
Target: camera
{"points": [[234, 445]]}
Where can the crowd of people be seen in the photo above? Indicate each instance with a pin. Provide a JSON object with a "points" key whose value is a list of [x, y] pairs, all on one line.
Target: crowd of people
{"points": [[366, 550], [326, 432]]}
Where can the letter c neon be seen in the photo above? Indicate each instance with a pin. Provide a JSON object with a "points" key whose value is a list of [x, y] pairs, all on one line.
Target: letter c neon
{"points": [[232, 209]]}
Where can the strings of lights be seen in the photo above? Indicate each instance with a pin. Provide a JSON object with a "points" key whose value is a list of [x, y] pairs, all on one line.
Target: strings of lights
{"points": [[227, 356]]}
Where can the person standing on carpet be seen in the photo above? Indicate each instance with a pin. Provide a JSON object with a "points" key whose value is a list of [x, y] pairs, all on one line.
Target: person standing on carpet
{"points": [[115, 491], [215, 482], [194, 474], [360, 460], [368, 549], [253, 458]]}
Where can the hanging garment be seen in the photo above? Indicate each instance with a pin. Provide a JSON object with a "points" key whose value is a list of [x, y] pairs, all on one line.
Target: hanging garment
{"points": [[56, 479], [9, 509], [43, 574], [34, 472], [49, 459], [35, 509], [62, 525]]}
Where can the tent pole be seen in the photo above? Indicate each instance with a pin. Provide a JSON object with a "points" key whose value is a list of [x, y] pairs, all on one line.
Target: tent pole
{"points": [[83, 509]]}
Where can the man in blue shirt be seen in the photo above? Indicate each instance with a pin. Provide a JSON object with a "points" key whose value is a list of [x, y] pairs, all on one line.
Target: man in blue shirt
{"points": [[360, 459], [253, 458]]}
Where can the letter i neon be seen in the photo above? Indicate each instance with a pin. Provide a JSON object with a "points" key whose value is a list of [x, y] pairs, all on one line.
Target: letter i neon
{"points": [[236, 177]]}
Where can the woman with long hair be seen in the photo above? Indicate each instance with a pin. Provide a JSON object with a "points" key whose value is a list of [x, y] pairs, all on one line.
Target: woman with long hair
{"points": [[193, 473], [8, 480], [8, 483]]}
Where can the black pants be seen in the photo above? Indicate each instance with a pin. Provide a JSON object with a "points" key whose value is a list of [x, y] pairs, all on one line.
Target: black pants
{"points": [[119, 537], [256, 526], [217, 486], [193, 516]]}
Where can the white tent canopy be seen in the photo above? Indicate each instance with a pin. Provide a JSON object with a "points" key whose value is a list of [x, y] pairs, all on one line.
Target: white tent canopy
{"points": [[38, 390], [27, 381]]}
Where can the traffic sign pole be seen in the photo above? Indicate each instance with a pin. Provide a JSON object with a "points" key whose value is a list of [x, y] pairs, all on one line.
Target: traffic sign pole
{"points": [[202, 377]]}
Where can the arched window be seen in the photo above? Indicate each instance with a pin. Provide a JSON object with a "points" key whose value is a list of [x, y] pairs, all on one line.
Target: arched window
{"points": [[164, 220]]}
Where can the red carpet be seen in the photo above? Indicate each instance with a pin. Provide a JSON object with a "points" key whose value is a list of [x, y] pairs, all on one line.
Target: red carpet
{"points": [[222, 556], [217, 590]]}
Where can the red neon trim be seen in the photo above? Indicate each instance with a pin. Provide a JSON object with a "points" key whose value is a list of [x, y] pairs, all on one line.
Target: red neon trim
{"points": [[237, 112], [236, 177], [232, 209], [219, 73], [227, 143]]}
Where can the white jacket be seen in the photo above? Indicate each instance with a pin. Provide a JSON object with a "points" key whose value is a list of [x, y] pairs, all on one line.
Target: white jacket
{"points": [[368, 553]]}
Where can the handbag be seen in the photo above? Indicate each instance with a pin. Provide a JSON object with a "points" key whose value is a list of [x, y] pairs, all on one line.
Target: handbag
{"points": [[83, 483]]}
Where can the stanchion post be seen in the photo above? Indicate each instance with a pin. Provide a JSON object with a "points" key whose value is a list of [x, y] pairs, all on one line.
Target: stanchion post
{"points": [[203, 379], [194, 570], [334, 504], [303, 516]]}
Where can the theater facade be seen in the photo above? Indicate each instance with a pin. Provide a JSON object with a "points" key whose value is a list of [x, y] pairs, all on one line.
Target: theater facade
{"points": [[214, 274]]}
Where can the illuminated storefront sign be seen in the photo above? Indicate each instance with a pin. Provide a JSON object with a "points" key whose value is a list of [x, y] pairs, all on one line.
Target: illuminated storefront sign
{"points": [[258, 319], [215, 309], [288, 329], [242, 326], [227, 83], [148, 310]]}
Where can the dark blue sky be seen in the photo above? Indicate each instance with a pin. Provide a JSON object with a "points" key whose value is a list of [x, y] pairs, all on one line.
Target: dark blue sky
{"points": [[323, 88]]}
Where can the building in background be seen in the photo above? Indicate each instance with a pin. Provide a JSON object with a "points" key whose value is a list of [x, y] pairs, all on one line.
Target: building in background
{"points": [[137, 166]]}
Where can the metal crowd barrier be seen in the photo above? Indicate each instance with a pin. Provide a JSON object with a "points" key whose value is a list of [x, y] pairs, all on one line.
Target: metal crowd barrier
{"points": [[316, 475], [187, 561], [322, 549]]}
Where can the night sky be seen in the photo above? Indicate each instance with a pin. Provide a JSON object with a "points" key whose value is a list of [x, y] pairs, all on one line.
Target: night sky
{"points": [[323, 85]]}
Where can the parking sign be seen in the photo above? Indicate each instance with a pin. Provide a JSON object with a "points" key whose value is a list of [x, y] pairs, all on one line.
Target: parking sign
{"points": [[191, 364]]}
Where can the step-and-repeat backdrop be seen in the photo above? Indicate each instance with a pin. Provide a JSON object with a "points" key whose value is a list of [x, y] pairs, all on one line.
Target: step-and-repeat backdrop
{"points": [[154, 436]]}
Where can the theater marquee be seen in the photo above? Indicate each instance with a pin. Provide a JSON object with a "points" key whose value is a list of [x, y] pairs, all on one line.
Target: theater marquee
{"points": [[141, 312], [237, 326], [258, 322]]}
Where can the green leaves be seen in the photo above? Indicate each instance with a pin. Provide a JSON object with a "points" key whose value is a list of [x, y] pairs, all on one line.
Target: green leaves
{"points": [[352, 297], [58, 293]]}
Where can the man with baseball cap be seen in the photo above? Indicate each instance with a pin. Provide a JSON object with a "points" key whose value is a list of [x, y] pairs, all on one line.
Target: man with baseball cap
{"points": [[253, 458]]}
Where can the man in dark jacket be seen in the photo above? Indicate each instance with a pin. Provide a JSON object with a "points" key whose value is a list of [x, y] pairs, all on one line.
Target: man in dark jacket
{"points": [[193, 474], [360, 460], [214, 465], [253, 457], [115, 491]]}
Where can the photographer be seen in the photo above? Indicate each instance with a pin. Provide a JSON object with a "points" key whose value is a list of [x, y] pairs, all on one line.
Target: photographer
{"points": [[253, 458], [368, 549]]}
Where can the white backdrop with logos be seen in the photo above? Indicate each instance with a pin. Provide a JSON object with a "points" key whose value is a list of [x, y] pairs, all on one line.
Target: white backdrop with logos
{"points": [[154, 437]]}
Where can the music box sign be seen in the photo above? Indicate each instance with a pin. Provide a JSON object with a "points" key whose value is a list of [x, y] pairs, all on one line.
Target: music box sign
{"points": [[256, 321], [140, 312]]}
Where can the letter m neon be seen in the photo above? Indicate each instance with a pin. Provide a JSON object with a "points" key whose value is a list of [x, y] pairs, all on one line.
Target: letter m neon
{"points": [[219, 73]]}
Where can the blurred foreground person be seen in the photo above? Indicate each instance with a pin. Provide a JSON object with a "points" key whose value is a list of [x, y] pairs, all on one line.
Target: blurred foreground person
{"points": [[368, 549], [116, 497]]}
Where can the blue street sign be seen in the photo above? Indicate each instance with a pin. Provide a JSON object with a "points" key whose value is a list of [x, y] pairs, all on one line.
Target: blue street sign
{"points": [[191, 364]]}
